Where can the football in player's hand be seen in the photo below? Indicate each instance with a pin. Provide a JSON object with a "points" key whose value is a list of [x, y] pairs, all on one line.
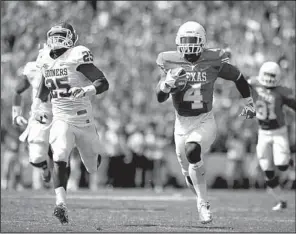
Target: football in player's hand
{"points": [[180, 79]]}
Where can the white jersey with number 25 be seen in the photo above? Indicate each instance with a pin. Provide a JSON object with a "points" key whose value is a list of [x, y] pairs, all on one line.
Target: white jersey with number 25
{"points": [[60, 75]]}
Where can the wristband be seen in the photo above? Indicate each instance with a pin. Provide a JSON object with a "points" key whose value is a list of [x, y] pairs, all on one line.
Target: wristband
{"points": [[248, 100], [90, 90], [16, 111]]}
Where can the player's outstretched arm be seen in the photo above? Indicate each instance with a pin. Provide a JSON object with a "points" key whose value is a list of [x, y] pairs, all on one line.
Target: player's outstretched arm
{"points": [[99, 82], [22, 86], [290, 102], [162, 91], [96, 76], [230, 72]]}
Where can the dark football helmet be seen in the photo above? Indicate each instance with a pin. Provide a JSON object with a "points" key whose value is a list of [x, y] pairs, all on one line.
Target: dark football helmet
{"points": [[62, 35]]}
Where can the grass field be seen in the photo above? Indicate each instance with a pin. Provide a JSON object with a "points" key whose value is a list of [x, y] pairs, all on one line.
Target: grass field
{"points": [[124, 210]]}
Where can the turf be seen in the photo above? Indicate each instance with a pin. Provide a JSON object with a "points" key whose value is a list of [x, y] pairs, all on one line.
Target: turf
{"points": [[135, 210]]}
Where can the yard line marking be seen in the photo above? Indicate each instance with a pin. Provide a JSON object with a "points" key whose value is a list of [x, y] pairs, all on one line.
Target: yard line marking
{"points": [[120, 198]]}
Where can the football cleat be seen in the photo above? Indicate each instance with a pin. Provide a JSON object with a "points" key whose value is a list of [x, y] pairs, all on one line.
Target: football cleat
{"points": [[61, 213], [280, 206], [205, 214]]}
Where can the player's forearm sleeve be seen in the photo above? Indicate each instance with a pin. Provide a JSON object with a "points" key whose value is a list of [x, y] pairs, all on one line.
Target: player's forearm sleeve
{"points": [[22, 85], [161, 96], [230, 72], [95, 75], [290, 102], [243, 86]]}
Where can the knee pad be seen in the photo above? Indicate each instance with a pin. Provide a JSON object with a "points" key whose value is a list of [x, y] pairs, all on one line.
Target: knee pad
{"points": [[272, 181], [283, 167], [193, 150]]}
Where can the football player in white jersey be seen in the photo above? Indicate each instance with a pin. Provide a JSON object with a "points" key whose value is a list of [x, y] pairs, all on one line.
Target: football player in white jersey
{"points": [[71, 78], [36, 134]]}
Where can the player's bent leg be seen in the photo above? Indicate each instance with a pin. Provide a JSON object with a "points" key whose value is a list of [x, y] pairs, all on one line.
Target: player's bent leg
{"points": [[274, 189], [181, 156], [197, 174], [88, 145], [38, 153], [38, 142], [198, 142], [62, 141]]}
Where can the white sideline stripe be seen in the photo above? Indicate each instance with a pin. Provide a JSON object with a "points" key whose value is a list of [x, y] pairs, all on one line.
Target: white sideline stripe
{"points": [[121, 198]]}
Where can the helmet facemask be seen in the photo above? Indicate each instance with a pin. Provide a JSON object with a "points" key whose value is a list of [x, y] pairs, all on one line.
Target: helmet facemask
{"points": [[190, 44], [58, 38], [268, 79]]}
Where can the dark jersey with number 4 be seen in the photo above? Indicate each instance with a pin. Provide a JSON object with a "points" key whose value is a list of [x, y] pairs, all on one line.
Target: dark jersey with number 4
{"points": [[59, 76], [269, 104], [197, 97]]}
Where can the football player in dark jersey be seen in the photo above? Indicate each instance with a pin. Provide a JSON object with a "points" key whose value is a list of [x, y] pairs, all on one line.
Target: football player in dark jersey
{"points": [[273, 148], [188, 75]]}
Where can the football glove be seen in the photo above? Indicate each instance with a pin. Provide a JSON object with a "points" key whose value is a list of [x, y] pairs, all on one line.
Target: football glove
{"points": [[17, 117], [249, 110], [175, 79], [79, 92]]}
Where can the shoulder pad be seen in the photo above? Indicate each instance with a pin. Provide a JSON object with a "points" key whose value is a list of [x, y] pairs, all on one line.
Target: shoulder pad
{"points": [[216, 54], [41, 55], [29, 67], [80, 54]]}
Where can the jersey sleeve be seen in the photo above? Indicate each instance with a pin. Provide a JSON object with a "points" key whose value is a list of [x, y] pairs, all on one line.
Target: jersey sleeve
{"points": [[229, 72], [82, 55], [29, 67], [224, 56], [285, 92]]}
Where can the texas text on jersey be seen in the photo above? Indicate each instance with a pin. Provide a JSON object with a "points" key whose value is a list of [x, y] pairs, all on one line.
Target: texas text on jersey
{"points": [[197, 96], [60, 75]]}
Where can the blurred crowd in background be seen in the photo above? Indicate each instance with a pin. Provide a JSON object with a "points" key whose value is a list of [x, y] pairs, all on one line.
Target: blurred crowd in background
{"points": [[125, 38]]}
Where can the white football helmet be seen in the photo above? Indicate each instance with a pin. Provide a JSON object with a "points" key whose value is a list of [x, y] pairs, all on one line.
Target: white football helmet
{"points": [[62, 35], [269, 74], [191, 38]]}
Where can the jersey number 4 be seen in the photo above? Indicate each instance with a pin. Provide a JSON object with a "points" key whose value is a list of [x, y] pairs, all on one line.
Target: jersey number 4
{"points": [[59, 87], [194, 95], [265, 111]]}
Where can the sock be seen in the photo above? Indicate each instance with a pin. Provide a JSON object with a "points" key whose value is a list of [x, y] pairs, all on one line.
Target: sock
{"points": [[59, 174], [197, 175], [190, 185], [60, 195], [275, 193]]}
